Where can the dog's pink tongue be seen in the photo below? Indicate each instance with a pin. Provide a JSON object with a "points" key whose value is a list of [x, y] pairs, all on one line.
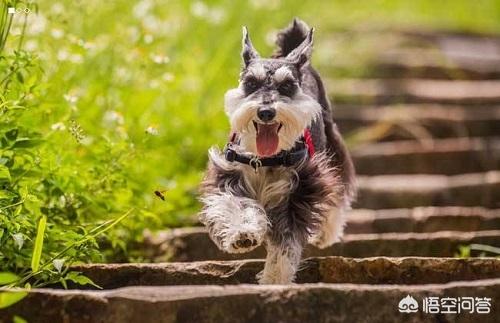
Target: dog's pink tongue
{"points": [[267, 139]]}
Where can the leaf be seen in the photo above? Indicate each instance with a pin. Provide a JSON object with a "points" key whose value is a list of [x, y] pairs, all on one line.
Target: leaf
{"points": [[4, 173], [6, 195], [18, 319], [26, 143], [80, 279], [63, 283], [20, 77], [37, 250], [12, 134], [7, 278], [10, 298]]}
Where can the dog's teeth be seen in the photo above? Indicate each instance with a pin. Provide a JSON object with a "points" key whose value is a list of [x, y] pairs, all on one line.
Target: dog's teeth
{"points": [[255, 126]]}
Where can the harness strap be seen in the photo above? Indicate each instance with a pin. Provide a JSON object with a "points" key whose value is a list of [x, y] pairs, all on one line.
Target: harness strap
{"points": [[309, 142]]}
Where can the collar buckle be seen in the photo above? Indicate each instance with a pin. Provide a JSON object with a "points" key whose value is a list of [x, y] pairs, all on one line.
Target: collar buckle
{"points": [[256, 163]]}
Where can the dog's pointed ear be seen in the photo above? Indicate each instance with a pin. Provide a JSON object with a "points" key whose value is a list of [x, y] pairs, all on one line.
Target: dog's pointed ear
{"points": [[301, 55], [248, 52]]}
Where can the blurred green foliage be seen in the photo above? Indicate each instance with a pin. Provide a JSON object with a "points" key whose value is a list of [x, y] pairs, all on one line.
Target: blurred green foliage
{"points": [[104, 102]]}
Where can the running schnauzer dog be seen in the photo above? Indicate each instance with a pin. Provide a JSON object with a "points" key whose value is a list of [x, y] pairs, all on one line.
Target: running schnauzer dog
{"points": [[285, 177]]}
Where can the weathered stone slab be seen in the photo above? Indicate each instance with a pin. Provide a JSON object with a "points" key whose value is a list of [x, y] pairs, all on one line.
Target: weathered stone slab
{"points": [[404, 191], [428, 156], [377, 270], [193, 244], [435, 120], [437, 64], [422, 219], [383, 91], [418, 219], [250, 303]]}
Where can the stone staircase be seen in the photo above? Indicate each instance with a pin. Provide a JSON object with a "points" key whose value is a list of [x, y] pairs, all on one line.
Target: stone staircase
{"points": [[427, 152]]}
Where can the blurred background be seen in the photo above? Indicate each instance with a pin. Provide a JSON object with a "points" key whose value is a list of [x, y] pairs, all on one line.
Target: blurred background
{"points": [[105, 102]]}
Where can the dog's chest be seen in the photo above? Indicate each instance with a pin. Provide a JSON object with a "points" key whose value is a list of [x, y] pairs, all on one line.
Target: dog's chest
{"points": [[269, 186]]}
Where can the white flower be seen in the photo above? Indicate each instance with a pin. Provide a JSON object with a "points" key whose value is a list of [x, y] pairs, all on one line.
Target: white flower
{"points": [[154, 84], [57, 33], [113, 117], [62, 55], [148, 38], [216, 16], [88, 45], [57, 8], [168, 77], [141, 9], [87, 141], [152, 130], [271, 37], [76, 58], [62, 201], [122, 74], [199, 9], [213, 15], [18, 240], [151, 23], [265, 4], [36, 24], [58, 264], [58, 126], [159, 58], [70, 98], [31, 45]]}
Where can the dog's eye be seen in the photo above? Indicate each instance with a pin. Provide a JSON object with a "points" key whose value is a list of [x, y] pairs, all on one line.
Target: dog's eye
{"points": [[251, 85], [287, 88]]}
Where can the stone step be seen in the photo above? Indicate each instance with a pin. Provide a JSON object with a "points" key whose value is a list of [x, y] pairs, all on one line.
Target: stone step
{"points": [[406, 191], [428, 156], [383, 91], [250, 303], [409, 121], [422, 219], [339, 270], [418, 219], [391, 53], [437, 64], [193, 244]]}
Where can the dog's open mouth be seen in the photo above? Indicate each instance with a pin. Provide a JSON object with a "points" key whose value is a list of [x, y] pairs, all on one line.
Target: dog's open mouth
{"points": [[267, 138]]}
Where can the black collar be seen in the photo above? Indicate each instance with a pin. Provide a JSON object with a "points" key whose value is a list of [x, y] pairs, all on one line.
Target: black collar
{"points": [[285, 158]]}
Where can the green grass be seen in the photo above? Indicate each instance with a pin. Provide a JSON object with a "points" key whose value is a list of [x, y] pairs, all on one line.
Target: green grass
{"points": [[129, 97]]}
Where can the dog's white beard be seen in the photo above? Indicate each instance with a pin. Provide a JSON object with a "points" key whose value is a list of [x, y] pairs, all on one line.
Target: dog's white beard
{"points": [[294, 115]]}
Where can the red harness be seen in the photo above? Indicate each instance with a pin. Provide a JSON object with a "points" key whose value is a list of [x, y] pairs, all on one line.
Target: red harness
{"points": [[309, 142]]}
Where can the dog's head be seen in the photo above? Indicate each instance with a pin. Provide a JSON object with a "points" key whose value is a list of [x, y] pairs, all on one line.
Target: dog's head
{"points": [[269, 109]]}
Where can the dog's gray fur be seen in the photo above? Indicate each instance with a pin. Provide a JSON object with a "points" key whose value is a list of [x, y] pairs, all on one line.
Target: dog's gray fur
{"points": [[283, 207]]}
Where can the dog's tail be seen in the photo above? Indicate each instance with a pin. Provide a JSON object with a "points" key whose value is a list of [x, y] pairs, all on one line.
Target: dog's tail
{"points": [[290, 37]]}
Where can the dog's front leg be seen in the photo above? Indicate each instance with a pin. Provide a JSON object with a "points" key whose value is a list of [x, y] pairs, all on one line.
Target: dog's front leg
{"points": [[282, 262], [236, 224]]}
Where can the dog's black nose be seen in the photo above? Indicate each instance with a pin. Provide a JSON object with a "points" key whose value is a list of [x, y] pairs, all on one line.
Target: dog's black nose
{"points": [[266, 114]]}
